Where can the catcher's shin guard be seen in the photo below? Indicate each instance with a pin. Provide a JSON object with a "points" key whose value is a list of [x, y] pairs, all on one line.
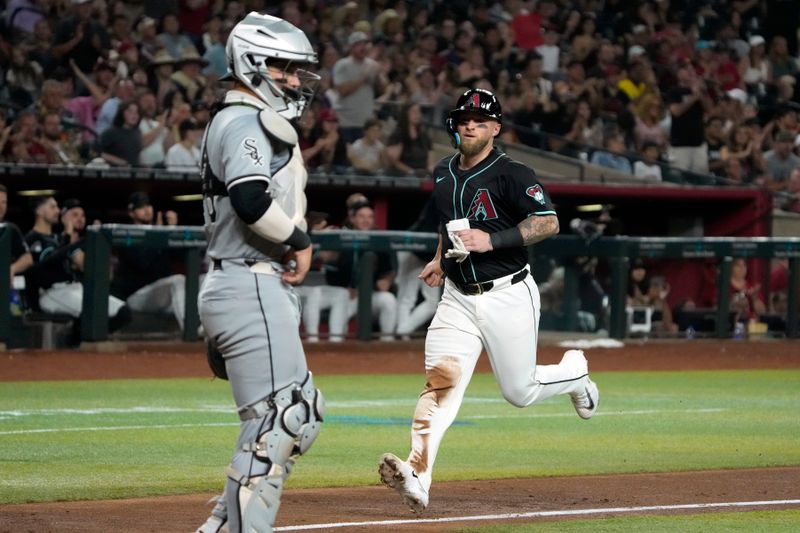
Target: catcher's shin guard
{"points": [[284, 426]]}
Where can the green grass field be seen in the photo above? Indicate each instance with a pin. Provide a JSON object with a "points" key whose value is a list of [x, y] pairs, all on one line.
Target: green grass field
{"points": [[128, 438]]}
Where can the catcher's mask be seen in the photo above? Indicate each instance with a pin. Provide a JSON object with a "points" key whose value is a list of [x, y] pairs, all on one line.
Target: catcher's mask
{"points": [[478, 101]]}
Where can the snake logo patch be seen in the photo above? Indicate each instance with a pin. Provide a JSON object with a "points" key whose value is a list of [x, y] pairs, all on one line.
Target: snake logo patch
{"points": [[482, 207], [251, 151], [536, 193]]}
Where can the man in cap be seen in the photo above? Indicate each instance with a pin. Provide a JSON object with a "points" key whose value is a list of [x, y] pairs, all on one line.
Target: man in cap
{"points": [[357, 79], [80, 37], [490, 209], [144, 277]]}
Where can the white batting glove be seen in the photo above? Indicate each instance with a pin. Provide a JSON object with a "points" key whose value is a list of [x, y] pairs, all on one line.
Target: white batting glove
{"points": [[459, 251]]}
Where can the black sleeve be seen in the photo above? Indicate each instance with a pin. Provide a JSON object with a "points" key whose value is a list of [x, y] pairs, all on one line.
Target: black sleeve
{"points": [[529, 196], [250, 200]]}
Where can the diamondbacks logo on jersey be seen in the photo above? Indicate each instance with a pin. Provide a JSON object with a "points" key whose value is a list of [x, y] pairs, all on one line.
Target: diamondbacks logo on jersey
{"points": [[251, 151], [536, 193], [482, 207]]}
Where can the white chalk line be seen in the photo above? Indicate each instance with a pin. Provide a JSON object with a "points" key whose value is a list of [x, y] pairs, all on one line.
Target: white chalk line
{"points": [[228, 424], [542, 514]]}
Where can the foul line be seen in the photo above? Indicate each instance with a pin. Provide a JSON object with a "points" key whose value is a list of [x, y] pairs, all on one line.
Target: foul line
{"points": [[542, 514]]}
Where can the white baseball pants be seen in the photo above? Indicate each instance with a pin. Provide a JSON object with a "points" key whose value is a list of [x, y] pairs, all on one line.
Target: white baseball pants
{"points": [[67, 298], [504, 321], [315, 299], [164, 294]]}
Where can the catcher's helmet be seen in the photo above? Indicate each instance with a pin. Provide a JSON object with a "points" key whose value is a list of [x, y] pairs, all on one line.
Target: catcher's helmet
{"points": [[479, 101], [261, 39]]}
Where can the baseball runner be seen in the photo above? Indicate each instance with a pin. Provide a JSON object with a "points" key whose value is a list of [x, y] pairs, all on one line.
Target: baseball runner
{"points": [[490, 209], [254, 207]]}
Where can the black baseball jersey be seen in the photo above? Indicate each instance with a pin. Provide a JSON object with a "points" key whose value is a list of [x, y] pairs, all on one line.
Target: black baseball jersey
{"points": [[18, 245], [494, 195], [49, 271]]}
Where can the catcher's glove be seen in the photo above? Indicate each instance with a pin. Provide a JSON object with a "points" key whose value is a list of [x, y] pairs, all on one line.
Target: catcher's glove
{"points": [[215, 361]]}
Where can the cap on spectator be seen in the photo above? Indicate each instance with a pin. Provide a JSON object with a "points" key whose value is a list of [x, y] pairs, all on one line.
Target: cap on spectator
{"points": [[756, 40], [738, 94], [357, 37], [125, 46], [70, 203], [702, 45], [162, 57], [326, 114], [145, 22], [639, 28], [137, 200], [785, 137], [190, 55], [422, 69], [79, 2], [635, 51]]}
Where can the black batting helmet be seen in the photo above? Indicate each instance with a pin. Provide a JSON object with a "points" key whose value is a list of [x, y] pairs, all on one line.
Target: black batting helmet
{"points": [[479, 101]]}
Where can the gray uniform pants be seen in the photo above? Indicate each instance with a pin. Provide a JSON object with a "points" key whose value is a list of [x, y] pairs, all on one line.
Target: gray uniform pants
{"points": [[254, 319]]}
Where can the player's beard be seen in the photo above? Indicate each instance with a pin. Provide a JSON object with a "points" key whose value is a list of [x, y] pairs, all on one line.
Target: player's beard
{"points": [[472, 147]]}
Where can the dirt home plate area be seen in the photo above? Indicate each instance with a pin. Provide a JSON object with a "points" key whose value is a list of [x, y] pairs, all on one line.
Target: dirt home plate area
{"points": [[454, 504]]}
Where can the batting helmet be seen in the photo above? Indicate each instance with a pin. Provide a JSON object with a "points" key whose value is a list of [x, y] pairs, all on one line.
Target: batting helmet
{"points": [[478, 101], [259, 40]]}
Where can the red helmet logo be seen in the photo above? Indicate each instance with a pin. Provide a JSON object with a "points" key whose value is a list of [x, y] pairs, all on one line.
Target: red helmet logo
{"points": [[476, 100]]}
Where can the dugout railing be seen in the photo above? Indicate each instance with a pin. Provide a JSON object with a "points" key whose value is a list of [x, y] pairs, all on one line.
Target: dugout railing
{"points": [[619, 251]]}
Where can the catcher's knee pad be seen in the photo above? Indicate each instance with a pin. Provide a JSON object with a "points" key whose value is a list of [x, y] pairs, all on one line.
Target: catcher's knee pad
{"points": [[288, 422]]}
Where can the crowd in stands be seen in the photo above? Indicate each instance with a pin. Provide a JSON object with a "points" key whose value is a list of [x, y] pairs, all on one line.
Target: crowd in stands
{"points": [[706, 86]]}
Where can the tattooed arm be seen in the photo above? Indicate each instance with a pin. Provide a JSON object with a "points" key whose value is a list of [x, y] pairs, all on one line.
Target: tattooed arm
{"points": [[531, 230], [538, 228]]}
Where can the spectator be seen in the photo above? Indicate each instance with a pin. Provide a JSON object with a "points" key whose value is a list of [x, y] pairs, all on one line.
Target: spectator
{"points": [[687, 103], [649, 128], [716, 145], [356, 78], [184, 156], [121, 144], [123, 92], [791, 200], [171, 38], [648, 168], [81, 37], [754, 68], [147, 38], [25, 145], [328, 151], [732, 171], [745, 147], [188, 77], [53, 284], [160, 71], [23, 78], [781, 161], [40, 45], [587, 128], [550, 52], [368, 154], [144, 277], [156, 138], [613, 156], [23, 15], [60, 149], [781, 63], [84, 109], [343, 272], [410, 147]]}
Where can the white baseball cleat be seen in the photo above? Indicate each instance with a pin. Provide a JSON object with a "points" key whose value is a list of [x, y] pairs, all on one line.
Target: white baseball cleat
{"points": [[588, 397], [586, 402], [399, 475]]}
